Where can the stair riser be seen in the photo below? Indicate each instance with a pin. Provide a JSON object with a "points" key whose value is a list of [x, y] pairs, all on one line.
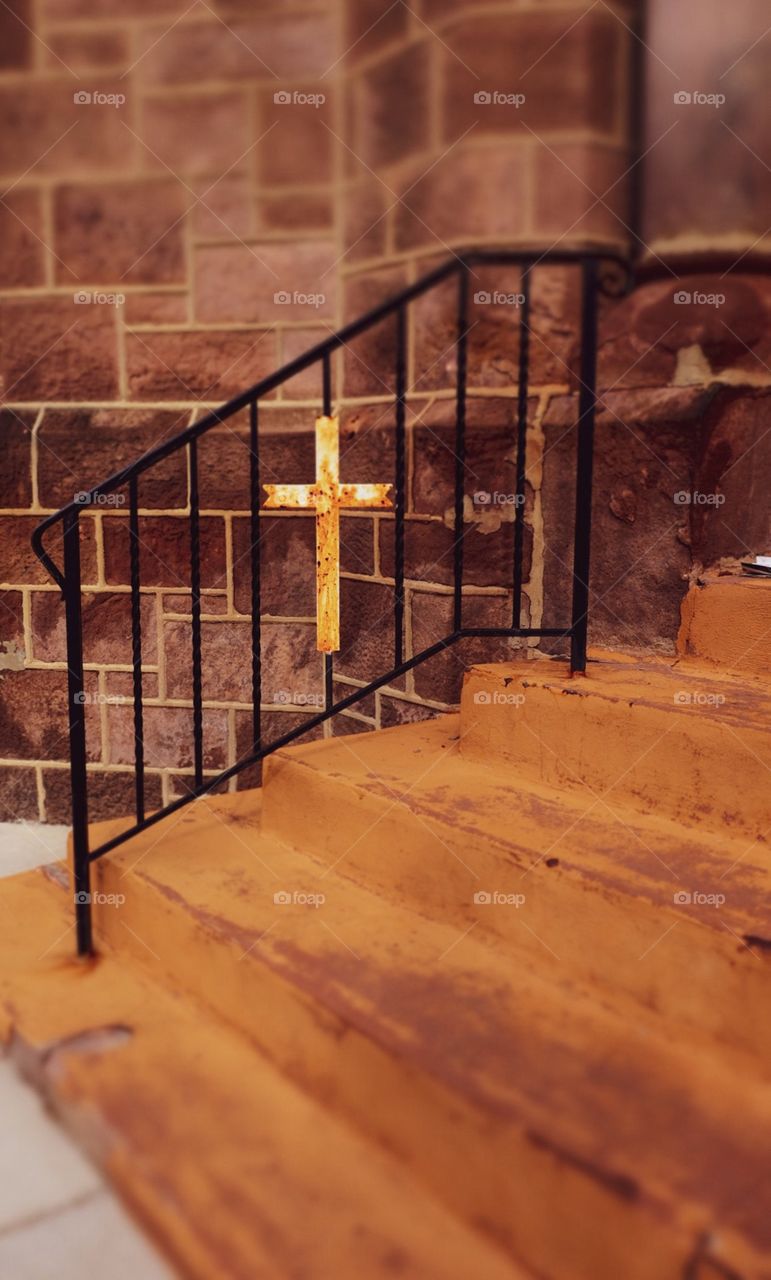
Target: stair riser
{"points": [[536, 1201], [569, 925], [728, 622], [680, 762]]}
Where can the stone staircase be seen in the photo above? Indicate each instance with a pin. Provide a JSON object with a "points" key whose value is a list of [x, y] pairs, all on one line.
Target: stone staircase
{"points": [[483, 996]]}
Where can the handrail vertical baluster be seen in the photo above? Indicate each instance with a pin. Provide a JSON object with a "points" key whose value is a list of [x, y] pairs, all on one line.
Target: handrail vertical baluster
{"points": [[254, 504], [400, 483], [584, 464], [460, 440], [522, 396], [136, 650], [77, 728], [195, 590], [329, 661]]}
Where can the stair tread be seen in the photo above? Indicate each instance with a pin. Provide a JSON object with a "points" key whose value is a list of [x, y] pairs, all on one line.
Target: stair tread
{"points": [[241, 1173], [420, 767], [649, 1116]]}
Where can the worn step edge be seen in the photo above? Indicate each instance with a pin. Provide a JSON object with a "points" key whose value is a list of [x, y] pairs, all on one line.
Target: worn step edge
{"points": [[312, 1034], [629, 732], [432, 846], [253, 1181]]}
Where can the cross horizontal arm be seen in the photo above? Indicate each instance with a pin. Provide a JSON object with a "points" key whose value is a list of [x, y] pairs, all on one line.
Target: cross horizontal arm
{"points": [[289, 495], [363, 495]]}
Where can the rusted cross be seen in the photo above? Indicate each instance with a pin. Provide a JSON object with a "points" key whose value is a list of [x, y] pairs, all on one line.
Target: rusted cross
{"points": [[326, 497]]}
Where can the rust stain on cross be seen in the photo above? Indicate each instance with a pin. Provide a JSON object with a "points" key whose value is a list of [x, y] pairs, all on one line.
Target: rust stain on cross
{"points": [[326, 496]]}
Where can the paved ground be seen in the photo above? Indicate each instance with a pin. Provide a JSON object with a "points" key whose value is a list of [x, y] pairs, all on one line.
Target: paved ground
{"points": [[59, 1220]]}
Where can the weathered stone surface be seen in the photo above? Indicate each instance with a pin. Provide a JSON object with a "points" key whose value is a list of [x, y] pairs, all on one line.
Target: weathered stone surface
{"points": [[391, 107], [441, 677], [42, 120], [369, 359], [647, 446], [85, 51], [34, 715], [224, 208], [490, 453], [255, 46], [18, 794], [364, 220], [287, 455], [80, 448], [273, 725], [16, 35], [308, 384], [195, 365], [735, 465], [15, 474], [287, 566], [11, 629], [488, 549], [164, 553], [168, 737], [121, 233], [493, 182], [106, 627], [110, 795], [721, 320], [566, 70], [196, 133], [22, 247], [298, 144], [571, 181], [292, 667], [60, 351], [226, 660], [21, 565], [265, 283], [395, 711], [120, 684], [366, 630], [369, 26]]}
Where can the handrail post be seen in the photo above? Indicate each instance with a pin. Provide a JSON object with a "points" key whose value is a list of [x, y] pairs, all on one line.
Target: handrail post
{"points": [[77, 727], [584, 465]]}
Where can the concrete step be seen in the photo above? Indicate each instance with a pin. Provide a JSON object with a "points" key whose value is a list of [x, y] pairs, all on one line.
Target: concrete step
{"points": [[236, 1171], [585, 1144], [567, 883], [682, 741], [726, 620]]}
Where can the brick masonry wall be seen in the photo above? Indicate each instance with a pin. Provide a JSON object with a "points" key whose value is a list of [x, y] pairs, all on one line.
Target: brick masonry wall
{"points": [[239, 228]]}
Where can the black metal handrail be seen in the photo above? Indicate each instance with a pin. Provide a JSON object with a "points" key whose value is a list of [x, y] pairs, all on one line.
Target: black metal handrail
{"points": [[595, 277]]}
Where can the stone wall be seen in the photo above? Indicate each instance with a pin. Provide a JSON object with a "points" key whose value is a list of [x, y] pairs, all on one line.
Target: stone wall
{"points": [[245, 178]]}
